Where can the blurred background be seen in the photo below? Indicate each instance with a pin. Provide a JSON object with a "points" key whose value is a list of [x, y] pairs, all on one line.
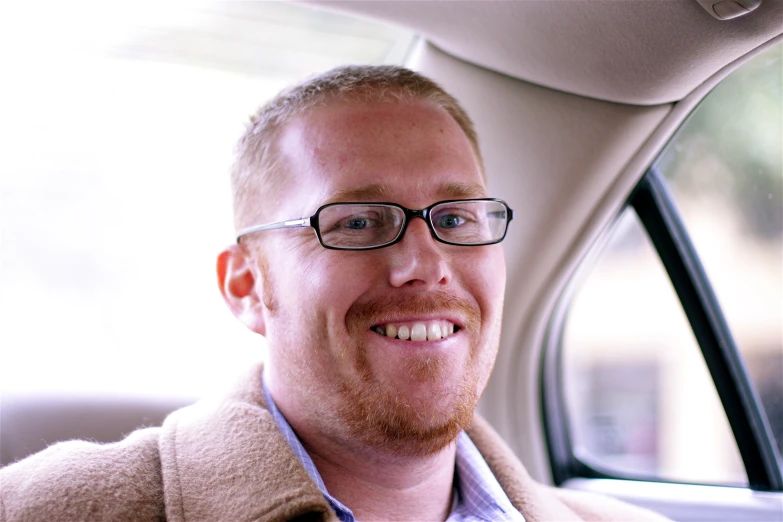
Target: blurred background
{"points": [[118, 126]]}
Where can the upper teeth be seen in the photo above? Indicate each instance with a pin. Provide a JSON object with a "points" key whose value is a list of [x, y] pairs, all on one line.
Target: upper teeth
{"points": [[432, 331]]}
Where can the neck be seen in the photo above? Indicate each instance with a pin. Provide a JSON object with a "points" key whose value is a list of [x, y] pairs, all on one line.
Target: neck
{"points": [[382, 488]]}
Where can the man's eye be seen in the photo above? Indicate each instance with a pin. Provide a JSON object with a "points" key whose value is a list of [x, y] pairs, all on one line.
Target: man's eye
{"points": [[361, 221], [450, 221], [357, 223]]}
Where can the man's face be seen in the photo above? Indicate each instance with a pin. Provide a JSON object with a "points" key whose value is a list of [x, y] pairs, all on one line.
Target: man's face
{"points": [[332, 369]]}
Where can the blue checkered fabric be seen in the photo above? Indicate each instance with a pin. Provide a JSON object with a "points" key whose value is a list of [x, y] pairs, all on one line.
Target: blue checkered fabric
{"points": [[478, 496]]}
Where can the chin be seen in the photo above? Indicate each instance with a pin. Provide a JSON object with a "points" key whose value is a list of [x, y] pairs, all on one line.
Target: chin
{"points": [[415, 419]]}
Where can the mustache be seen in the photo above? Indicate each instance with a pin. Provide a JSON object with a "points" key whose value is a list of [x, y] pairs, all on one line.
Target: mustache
{"points": [[365, 314]]}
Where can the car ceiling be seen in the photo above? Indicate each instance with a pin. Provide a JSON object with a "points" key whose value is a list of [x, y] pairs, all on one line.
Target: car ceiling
{"points": [[641, 52]]}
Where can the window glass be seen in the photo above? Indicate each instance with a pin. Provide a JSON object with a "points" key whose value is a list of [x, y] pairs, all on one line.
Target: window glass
{"points": [[725, 170], [640, 400], [118, 124]]}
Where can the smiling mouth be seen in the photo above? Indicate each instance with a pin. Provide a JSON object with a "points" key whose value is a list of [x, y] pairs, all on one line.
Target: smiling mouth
{"points": [[417, 331]]}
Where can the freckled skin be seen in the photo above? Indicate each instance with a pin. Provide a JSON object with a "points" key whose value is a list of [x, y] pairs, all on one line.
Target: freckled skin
{"points": [[412, 150]]}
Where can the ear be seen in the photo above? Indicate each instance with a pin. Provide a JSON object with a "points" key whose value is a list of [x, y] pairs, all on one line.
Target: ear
{"points": [[237, 281]]}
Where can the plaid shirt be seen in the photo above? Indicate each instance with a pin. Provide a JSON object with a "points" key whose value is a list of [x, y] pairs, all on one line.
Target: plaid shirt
{"points": [[478, 496]]}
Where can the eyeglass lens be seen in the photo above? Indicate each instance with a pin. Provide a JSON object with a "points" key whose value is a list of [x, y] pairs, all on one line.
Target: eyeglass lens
{"points": [[364, 226]]}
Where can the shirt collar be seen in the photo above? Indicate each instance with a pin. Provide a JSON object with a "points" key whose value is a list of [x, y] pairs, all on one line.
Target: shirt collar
{"points": [[481, 496]]}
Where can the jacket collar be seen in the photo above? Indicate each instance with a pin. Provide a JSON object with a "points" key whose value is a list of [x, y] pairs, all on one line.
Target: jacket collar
{"points": [[226, 459]]}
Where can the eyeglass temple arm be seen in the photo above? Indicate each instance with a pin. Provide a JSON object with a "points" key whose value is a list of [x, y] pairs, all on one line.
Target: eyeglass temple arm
{"points": [[291, 223]]}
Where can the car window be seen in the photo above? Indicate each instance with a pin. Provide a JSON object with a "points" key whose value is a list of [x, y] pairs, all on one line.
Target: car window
{"points": [[639, 398], [118, 127], [725, 171]]}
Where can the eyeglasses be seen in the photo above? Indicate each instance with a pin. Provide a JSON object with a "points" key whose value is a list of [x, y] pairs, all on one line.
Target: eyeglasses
{"points": [[365, 226]]}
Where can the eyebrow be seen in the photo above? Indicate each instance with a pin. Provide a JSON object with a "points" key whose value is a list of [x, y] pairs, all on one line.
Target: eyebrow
{"points": [[458, 190], [367, 192], [378, 192]]}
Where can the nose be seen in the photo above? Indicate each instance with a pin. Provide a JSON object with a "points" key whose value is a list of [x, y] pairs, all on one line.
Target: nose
{"points": [[418, 259]]}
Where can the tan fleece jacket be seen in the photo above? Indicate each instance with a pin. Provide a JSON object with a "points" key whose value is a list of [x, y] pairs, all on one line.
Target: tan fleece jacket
{"points": [[225, 460]]}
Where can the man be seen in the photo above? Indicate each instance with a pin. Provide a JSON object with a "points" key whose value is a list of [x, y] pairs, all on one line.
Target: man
{"points": [[368, 255]]}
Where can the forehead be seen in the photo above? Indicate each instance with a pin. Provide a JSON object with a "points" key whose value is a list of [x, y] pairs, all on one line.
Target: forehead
{"points": [[406, 152]]}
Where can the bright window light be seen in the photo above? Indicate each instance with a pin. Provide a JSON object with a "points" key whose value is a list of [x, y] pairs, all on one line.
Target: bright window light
{"points": [[118, 127]]}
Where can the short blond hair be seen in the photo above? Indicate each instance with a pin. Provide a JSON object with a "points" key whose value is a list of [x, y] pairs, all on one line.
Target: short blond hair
{"points": [[257, 169]]}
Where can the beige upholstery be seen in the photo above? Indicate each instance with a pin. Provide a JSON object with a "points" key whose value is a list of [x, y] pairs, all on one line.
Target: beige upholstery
{"points": [[643, 52]]}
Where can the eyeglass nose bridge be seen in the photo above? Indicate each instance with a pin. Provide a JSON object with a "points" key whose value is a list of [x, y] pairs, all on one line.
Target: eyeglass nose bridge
{"points": [[423, 214]]}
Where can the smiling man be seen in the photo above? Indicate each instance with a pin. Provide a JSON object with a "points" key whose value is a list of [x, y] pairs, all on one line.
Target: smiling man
{"points": [[383, 325], [368, 254]]}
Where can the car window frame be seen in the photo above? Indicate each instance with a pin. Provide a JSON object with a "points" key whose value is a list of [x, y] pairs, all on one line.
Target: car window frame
{"points": [[661, 220]]}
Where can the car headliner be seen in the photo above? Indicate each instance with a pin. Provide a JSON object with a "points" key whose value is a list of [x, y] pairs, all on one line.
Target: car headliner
{"points": [[641, 52]]}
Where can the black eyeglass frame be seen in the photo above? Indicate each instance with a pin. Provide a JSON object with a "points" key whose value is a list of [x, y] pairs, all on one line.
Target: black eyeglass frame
{"points": [[409, 214]]}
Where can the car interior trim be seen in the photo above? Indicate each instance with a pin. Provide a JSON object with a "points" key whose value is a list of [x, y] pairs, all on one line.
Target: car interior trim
{"points": [[686, 502], [627, 61], [509, 383]]}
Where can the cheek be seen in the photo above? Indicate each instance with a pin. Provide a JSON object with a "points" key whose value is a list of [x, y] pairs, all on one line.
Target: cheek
{"points": [[487, 279], [499, 280], [326, 283]]}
